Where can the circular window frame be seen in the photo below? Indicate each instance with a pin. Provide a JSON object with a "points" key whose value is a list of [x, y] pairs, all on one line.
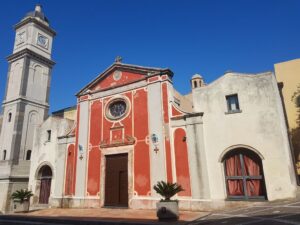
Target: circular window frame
{"points": [[112, 101]]}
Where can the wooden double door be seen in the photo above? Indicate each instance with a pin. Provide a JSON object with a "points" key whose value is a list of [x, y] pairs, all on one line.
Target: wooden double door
{"points": [[45, 190], [45, 175], [116, 180]]}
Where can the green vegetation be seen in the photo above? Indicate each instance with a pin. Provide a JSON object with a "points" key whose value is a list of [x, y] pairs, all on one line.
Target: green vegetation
{"points": [[167, 190], [21, 195]]}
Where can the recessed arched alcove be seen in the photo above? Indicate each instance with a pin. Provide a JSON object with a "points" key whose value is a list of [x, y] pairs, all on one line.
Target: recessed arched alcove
{"points": [[244, 174]]}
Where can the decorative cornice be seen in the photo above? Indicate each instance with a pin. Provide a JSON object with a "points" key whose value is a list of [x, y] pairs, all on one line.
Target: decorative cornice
{"points": [[28, 52], [127, 141], [184, 117], [23, 99], [33, 20], [15, 177], [66, 136]]}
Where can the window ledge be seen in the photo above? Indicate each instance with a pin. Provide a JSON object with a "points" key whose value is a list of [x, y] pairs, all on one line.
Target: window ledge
{"points": [[233, 112]]}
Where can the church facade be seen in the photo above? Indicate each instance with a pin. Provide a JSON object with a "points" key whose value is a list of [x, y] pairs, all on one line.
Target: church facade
{"points": [[226, 140]]}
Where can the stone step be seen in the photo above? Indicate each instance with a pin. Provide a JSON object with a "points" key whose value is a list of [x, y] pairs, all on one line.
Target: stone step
{"points": [[39, 207]]}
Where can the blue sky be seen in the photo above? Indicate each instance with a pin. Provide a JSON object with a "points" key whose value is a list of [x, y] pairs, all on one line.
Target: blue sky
{"points": [[192, 36]]}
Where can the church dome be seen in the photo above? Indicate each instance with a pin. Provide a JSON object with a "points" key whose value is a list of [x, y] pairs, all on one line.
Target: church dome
{"points": [[197, 76]]}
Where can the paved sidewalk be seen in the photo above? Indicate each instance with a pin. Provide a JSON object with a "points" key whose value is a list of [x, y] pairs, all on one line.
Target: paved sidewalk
{"points": [[238, 213], [107, 214]]}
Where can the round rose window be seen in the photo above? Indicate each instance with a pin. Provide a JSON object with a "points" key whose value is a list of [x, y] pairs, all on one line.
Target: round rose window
{"points": [[117, 109]]}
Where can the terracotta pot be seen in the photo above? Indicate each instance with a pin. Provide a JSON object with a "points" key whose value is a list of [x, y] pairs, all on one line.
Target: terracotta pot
{"points": [[167, 210]]}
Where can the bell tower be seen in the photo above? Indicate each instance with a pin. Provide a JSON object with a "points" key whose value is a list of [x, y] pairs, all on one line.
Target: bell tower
{"points": [[197, 81], [26, 100]]}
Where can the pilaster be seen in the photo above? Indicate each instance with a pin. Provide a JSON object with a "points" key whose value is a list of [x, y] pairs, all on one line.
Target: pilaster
{"points": [[158, 157], [83, 123]]}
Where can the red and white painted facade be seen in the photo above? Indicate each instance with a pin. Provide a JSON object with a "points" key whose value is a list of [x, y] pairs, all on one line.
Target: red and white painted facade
{"points": [[148, 93]]}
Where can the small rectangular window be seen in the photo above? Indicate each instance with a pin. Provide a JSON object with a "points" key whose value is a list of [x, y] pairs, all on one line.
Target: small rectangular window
{"points": [[232, 103], [4, 155], [177, 101], [28, 155], [48, 135]]}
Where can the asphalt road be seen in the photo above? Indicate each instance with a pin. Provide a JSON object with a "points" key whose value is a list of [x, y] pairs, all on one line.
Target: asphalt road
{"points": [[278, 213]]}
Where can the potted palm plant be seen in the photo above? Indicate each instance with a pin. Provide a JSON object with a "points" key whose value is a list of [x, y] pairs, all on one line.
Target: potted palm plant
{"points": [[167, 209], [21, 200]]}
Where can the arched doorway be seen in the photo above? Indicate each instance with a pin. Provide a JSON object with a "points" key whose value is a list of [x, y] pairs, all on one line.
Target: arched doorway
{"points": [[45, 176], [244, 175]]}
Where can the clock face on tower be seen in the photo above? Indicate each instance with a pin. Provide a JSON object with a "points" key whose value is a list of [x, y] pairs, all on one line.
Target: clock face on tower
{"points": [[42, 41], [20, 38]]}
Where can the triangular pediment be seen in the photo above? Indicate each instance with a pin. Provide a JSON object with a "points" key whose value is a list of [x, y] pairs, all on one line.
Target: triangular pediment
{"points": [[120, 74]]}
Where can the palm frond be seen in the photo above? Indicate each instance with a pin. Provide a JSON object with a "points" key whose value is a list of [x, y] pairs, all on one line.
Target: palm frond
{"points": [[21, 195], [167, 190]]}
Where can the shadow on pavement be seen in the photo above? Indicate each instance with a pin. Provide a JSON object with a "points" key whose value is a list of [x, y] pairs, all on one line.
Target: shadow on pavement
{"points": [[262, 219]]}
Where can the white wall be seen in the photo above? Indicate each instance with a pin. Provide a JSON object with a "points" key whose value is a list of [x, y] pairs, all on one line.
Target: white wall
{"points": [[33, 117], [81, 165], [260, 125], [155, 120], [8, 127], [48, 152], [37, 81], [14, 81]]}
